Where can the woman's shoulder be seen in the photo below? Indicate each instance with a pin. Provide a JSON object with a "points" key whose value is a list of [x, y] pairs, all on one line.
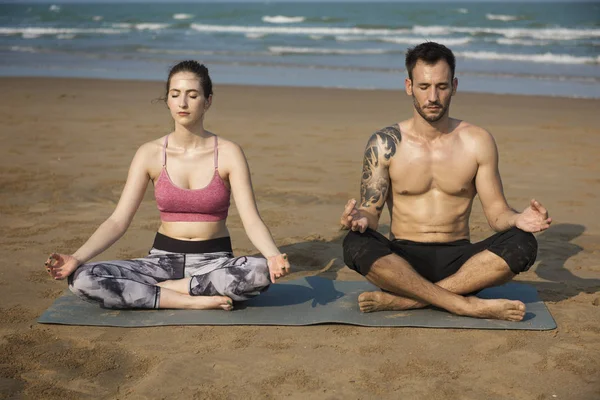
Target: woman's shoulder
{"points": [[150, 150], [227, 146], [154, 145], [231, 155]]}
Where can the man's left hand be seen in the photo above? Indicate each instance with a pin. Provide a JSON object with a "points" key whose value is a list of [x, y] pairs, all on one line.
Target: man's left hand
{"points": [[534, 218]]}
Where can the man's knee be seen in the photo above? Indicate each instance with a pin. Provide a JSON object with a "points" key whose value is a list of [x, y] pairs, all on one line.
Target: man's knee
{"points": [[519, 249], [528, 249], [361, 250]]}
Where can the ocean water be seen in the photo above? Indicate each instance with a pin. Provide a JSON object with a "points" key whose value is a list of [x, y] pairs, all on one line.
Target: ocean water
{"points": [[529, 48]]}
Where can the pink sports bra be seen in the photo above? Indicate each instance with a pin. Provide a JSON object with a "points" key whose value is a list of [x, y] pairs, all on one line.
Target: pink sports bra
{"points": [[208, 204]]}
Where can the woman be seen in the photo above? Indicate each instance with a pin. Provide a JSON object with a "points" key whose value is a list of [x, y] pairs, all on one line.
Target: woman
{"points": [[191, 264]]}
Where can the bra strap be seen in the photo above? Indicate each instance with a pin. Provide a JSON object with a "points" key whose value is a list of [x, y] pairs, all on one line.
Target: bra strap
{"points": [[165, 151], [216, 153]]}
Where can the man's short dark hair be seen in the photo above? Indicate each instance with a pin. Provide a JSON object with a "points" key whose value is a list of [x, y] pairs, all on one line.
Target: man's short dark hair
{"points": [[429, 53]]}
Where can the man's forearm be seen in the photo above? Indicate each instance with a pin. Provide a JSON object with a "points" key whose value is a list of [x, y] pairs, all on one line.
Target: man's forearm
{"points": [[505, 220]]}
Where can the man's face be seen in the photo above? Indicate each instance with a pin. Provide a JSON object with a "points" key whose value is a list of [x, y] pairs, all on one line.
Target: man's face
{"points": [[431, 88]]}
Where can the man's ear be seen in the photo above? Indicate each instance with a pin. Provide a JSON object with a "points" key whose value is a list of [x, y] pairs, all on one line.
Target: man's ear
{"points": [[408, 86], [454, 85]]}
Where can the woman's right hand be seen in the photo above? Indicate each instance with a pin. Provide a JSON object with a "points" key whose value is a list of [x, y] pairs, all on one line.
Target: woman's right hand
{"points": [[60, 266]]}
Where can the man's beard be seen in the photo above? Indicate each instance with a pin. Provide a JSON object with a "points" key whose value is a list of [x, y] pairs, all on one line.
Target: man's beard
{"points": [[431, 118]]}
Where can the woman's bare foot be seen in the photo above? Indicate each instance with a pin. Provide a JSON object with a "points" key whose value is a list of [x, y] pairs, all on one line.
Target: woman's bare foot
{"points": [[212, 303], [383, 301], [509, 310], [174, 300]]}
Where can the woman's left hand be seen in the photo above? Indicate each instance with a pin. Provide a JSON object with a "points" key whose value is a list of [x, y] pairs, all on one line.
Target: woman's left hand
{"points": [[279, 266]]}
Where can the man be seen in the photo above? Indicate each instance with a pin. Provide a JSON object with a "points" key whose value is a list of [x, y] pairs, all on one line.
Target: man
{"points": [[428, 169]]}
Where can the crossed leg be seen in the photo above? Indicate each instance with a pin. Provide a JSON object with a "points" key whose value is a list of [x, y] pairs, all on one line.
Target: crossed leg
{"points": [[237, 279], [408, 289], [133, 284], [484, 269]]}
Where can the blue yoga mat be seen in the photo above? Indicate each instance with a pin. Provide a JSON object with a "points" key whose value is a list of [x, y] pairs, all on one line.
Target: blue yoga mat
{"points": [[306, 301]]}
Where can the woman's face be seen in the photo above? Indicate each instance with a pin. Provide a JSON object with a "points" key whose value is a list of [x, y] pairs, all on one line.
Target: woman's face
{"points": [[186, 100]]}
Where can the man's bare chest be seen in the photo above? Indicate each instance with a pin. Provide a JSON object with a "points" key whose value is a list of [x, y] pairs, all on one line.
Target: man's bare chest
{"points": [[417, 170]]}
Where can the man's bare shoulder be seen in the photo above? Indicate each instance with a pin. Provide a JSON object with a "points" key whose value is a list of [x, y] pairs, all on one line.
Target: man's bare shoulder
{"points": [[384, 142], [391, 132], [468, 130], [478, 141], [474, 136]]}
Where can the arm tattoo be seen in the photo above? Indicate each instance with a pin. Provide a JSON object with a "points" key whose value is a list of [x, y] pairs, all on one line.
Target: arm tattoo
{"points": [[375, 181]]}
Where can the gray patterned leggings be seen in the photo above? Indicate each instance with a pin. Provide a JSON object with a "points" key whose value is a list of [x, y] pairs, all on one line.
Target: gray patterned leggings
{"points": [[132, 283]]}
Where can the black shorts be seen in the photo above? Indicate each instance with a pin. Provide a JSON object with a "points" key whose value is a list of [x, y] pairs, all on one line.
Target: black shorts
{"points": [[436, 261]]}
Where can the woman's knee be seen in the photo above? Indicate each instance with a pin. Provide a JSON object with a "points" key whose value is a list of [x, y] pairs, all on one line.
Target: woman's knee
{"points": [[84, 283], [107, 284], [249, 279], [241, 279]]}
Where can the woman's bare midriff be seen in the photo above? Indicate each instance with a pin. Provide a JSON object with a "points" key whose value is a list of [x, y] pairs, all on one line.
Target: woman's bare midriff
{"points": [[194, 230]]}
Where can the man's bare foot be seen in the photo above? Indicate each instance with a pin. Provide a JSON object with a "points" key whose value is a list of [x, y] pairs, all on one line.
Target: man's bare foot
{"points": [[509, 310], [211, 303], [382, 301]]}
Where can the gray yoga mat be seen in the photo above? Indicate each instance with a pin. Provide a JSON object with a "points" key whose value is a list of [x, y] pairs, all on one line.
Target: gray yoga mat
{"points": [[306, 301]]}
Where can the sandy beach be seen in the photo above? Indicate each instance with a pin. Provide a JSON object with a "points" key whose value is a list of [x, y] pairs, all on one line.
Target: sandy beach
{"points": [[65, 151]]}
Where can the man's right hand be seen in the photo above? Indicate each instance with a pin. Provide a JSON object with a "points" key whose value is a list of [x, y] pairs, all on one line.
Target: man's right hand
{"points": [[352, 218]]}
